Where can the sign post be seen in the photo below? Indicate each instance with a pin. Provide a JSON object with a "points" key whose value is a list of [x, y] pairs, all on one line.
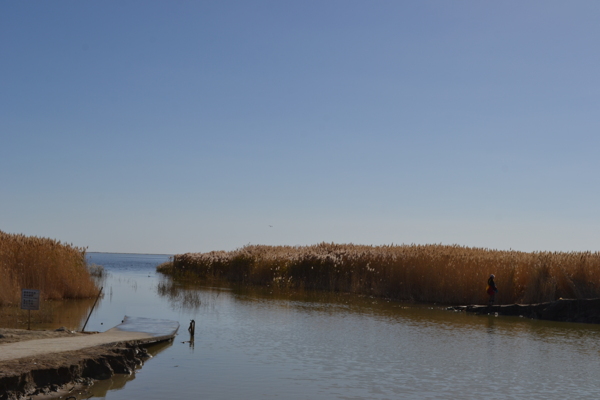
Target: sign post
{"points": [[30, 300]]}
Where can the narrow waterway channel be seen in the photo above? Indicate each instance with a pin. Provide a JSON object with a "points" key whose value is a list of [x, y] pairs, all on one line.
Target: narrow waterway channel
{"points": [[258, 345]]}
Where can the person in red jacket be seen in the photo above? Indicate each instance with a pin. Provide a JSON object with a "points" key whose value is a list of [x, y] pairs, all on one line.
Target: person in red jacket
{"points": [[491, 290]]}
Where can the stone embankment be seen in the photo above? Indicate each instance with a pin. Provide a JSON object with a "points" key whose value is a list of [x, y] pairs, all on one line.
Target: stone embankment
{"points": [[564, 310]]}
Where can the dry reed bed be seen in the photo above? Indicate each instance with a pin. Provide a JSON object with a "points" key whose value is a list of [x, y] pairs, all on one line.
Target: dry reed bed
{"points": [[423, 273], [58, 270]]}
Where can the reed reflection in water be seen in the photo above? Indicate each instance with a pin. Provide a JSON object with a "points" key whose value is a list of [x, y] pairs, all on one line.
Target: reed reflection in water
{"points": [[53, 314], [179, 295]]}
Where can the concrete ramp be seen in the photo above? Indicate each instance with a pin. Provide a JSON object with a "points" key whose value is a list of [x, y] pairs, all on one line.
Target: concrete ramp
{"points": [[157, 328], [133, 329]]}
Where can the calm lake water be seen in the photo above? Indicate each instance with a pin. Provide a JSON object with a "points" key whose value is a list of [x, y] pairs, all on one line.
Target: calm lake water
{"points": [[258, 345]]}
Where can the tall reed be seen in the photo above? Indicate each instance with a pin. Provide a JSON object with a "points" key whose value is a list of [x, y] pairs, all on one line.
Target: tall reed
{"points": [[423, 273], [58, 270]]}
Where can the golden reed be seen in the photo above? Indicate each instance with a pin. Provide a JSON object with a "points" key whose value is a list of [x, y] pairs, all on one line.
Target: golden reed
{"points": [[58, 270], [422, 273]]}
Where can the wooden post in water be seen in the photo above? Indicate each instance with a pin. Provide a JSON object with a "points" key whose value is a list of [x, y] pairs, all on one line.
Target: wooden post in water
{"points": [[192, 328], [90, 314]]}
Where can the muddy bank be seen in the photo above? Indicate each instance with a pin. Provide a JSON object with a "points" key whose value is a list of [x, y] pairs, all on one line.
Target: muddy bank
{"points": [[25, 377], [563, 310]]}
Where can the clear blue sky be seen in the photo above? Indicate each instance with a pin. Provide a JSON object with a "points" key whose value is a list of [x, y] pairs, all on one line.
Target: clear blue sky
{"points": [[184, 126]]}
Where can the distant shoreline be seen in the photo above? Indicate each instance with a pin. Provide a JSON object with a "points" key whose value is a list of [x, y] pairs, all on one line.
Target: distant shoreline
{"points": [[141, 254]]}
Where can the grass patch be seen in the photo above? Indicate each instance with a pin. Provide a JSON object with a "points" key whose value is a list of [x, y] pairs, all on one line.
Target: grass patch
{"points": [[422, 273]]}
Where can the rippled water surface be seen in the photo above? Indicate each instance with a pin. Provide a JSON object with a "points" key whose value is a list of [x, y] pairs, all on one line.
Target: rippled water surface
{"points": [[259, 345]]}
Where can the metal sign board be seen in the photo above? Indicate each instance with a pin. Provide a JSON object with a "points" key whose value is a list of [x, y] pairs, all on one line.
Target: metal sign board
{"points": [[30, 299]]}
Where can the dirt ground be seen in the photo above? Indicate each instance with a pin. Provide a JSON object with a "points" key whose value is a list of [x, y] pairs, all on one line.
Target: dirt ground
{"points": [[10, 367], [18, 335]]}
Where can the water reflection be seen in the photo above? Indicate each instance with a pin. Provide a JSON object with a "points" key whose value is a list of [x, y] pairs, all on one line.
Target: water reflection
{"points": [[190, 296], [179, 295], [365, 339], [116, 382], [54, 314]]}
